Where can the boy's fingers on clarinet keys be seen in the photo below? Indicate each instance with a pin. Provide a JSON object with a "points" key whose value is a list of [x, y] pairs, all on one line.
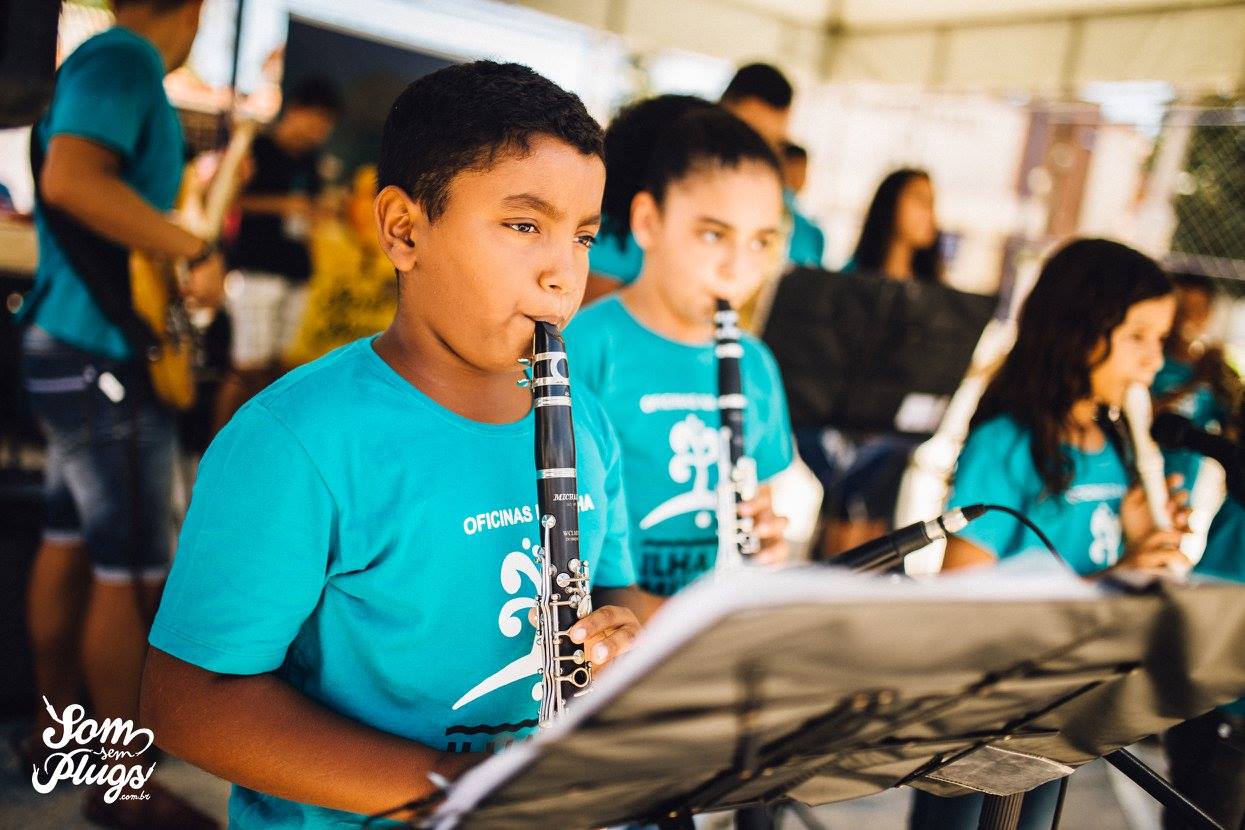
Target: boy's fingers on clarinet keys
{"points": [[606, 633]]}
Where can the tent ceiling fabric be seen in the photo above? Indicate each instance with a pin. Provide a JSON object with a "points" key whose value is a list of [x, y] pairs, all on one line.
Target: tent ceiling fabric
{"points": [[1024, 45]]}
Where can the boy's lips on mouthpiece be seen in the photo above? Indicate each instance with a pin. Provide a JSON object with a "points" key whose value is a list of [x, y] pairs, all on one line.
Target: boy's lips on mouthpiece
{"points": [[552, 319]]}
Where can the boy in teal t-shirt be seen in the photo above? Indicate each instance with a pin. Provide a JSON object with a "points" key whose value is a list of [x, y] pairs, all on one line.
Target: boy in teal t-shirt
{"points": [[661, 398], [707, 214], [348, 614]]}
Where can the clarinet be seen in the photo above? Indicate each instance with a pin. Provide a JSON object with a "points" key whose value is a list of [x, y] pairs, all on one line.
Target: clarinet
{"points": [[563, 595], [737, 474]]}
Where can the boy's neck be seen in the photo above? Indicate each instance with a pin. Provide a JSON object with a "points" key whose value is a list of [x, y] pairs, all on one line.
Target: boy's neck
{"points": [[648, 306], [431, 366]]}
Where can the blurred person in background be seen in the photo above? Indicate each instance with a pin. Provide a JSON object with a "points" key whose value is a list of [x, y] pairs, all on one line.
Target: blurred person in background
{"points": [[1196, 380], [267, 292], [808, 242], [108, 157], [861, 473], [1207, 753], [353, 290], [759, 95], [900, 234]]}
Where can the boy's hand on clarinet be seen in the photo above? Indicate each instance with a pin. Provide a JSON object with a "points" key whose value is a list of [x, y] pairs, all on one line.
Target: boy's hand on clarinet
{"points": [[768, 527], [606, 633]]}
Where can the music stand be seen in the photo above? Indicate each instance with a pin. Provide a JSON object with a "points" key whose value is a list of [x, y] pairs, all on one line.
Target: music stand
{"points": [[863, 352], [822, 686]]}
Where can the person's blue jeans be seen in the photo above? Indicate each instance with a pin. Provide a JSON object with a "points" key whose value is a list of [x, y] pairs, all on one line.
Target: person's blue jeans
{"points": [[108, 477]]}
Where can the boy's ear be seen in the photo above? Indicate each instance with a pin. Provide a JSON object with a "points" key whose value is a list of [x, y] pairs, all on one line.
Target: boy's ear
{"points": [[645, 218], [400, 224]]}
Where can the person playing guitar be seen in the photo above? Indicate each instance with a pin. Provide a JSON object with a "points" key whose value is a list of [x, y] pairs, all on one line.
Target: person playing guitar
{"points": [[108, 159]]}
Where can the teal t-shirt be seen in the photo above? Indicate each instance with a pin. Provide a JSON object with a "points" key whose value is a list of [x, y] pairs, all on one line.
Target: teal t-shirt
{"points": [[111, 92], [661, 396], [1225, 557], [807, 244], [374, 550], [1083, 521]]}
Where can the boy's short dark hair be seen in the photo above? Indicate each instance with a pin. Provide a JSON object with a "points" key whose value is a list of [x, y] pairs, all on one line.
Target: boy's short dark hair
{"points": [[762, 81], [314, 92], [463, 117], [794, 152]]}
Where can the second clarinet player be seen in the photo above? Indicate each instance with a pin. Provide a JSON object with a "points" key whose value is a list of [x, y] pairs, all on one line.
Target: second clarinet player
{"points": [[563, 596], [708, 216]]}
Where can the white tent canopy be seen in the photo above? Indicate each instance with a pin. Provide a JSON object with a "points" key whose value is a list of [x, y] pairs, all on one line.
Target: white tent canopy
{"points": [[1050, 46]]}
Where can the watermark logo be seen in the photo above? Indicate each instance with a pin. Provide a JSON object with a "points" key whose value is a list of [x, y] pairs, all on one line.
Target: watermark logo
{"points": [[97, 753]]}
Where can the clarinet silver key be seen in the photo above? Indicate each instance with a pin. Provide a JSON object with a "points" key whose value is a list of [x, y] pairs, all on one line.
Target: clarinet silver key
{"points": [[564, 595]]}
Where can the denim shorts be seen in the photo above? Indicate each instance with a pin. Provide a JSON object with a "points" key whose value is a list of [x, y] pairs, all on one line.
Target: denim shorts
{"points": [[108, 479]]}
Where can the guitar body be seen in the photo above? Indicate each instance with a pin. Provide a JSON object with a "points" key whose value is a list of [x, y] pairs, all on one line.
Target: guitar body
{"points": [[157, 302], [155, 291]]}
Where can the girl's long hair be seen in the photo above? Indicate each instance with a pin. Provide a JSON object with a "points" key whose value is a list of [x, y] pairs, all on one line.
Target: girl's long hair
{"points": [[658, 141], [1082, 294], [879, 230]]}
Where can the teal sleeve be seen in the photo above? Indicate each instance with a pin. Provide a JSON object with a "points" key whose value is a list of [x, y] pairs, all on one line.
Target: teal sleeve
{"points": [[104, 97], [622, 261], [615, 568], [992, 469], [776, 446], [1225, 544], [253, 556]]}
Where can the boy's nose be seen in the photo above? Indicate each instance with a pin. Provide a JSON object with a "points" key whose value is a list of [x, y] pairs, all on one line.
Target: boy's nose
{"points": [[730, 266]]}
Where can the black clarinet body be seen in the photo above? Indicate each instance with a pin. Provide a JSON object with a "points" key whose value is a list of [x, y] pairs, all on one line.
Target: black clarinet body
{"points": [[736, 471], [563, 595]]}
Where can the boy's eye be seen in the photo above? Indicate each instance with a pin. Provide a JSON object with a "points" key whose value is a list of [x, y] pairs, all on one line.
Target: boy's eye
{"points": [[709, 235], [586, 239], [523, 227], [762, 244]]}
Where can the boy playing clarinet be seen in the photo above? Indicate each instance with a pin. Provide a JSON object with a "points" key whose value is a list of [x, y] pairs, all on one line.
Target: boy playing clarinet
{"points": [[349, 608]]}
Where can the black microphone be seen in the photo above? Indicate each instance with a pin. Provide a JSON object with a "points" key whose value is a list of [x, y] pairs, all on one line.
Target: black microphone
{"points": [[887, 551], [1175, 432]]}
